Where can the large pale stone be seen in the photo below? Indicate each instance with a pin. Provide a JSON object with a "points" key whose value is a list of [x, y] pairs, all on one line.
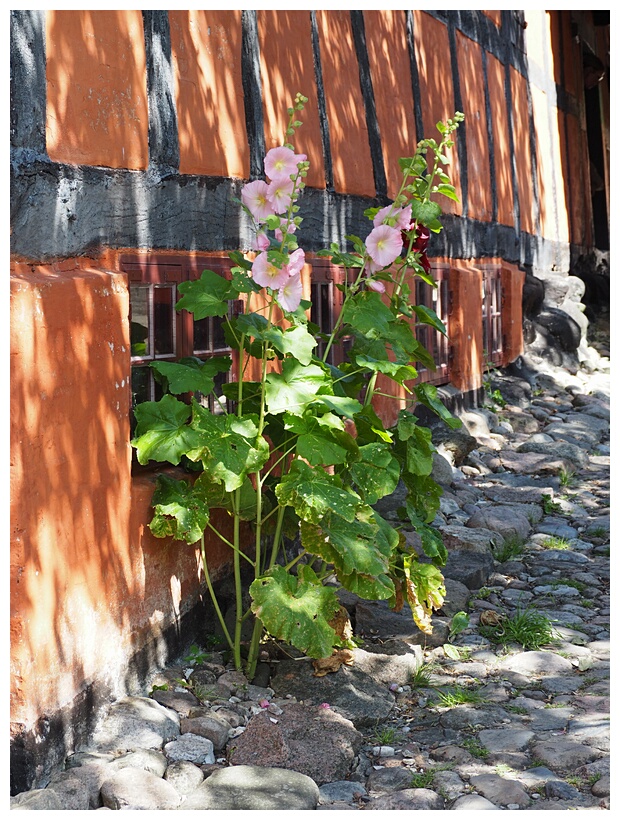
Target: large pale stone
{"points": [[257, 788]]}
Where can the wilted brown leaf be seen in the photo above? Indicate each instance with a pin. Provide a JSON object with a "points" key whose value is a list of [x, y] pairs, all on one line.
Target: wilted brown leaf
{"points": [[332, 664]]}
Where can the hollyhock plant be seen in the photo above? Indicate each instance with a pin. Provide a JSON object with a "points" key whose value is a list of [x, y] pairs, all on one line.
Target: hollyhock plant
{"points": [[295, 452]]}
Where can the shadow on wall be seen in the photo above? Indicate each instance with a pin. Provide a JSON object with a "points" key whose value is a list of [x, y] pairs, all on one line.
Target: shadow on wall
{"points": [[89, 587]]}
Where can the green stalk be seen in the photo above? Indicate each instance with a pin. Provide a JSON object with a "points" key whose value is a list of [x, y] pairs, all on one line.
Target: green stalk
{"points": [[216, 605]]}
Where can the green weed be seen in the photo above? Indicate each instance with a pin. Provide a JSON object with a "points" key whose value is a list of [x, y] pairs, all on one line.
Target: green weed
{"points": [[567, 478], [421, 678], [457, 695], [598, 532], [475, 748], [385, 736], [511, 548], [554, 542], [568, 582], [195, 656], [549, 505], [422, 780], [526, 627]]}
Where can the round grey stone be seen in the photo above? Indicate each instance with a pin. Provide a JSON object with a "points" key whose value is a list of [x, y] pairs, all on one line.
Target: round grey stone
{"points": [[36, 799], [473, 802], [500, 790], [340, 791], [536, 663], [211, 726], [184, 776], [408, 799], [190, 747], [138, 789], [147, 759], [256, 788], [505, 740]]}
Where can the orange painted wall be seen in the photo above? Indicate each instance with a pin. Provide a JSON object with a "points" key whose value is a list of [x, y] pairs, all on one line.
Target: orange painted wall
{"points": [[503, 154], [90, 586], [287, 67], [433, 50], [206, 57], [465, 325], [522, 150], [472, 91], [345, 106], [97, 112], [390, 70]]}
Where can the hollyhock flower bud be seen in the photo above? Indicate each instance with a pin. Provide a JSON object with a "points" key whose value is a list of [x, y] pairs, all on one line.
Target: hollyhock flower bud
{"points": [[290, 228], [402, 216], [281, 163], [266, 274], [254, 196], [375, 284], [384, 244]]}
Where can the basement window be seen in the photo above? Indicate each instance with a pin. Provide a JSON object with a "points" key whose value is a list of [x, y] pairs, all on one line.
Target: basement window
{"points": [[158, 332], [492, 341], [435, 342]]}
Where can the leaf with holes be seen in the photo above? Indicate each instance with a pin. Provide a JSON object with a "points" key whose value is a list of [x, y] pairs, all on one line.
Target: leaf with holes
{"points": [[297, 609], [313, 493], [229, 447], [162, 432], [377, 473], [181, 510]]}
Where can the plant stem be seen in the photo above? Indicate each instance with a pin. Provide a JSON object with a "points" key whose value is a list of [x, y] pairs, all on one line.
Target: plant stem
{"points": [[216, 605]]}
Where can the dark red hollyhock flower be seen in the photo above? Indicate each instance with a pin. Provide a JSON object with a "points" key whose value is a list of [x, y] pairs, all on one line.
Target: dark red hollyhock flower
{"points": [[425, 263], [421, 236]]}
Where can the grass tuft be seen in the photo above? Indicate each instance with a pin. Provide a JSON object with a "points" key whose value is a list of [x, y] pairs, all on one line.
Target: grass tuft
{"points": [[526, 627]]}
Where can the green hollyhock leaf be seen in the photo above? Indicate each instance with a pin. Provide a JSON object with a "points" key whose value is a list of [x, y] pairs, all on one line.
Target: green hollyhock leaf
{"points": [[427, 395], [313, 493], [181, 510], [297, 609], [217, 496], [229, 447], [296, 341], [424, 494], [318, 443], [459, 622], [370, 427], [448, 190], [368, 315], [399, 373], [295, 388], [451, 652], [340, 404], [378, 472], [419, 458], [207, 296], [425, 212], [432, 543], [429, 317], [191, 375], [359, 550], [422, 356], [162, 433]]}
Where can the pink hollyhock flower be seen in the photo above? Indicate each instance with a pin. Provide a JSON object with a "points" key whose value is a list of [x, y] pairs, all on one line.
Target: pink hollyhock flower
{"points": [[384, 244], [279, 194], [266, 274], [281, 162], [402, 216], [263, 704], [289, 295], [296, 261], [261, 243], [254, 197]]}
